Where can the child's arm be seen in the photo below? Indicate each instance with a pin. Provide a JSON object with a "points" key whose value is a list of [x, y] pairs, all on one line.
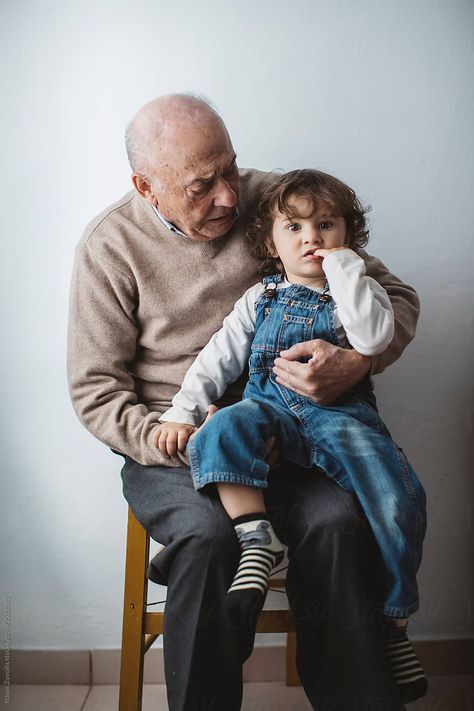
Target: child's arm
{"points": [[363, 306], [219, 363]]}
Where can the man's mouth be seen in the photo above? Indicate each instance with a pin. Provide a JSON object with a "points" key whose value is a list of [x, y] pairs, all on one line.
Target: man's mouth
{"points": [[222, 217]]}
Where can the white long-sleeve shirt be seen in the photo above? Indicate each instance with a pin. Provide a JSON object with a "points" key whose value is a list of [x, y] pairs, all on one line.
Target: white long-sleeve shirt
{"points": [[363, 314]]}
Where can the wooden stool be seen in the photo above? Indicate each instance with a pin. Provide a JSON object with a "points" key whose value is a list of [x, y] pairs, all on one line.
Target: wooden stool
{"points": [[141, 628]]}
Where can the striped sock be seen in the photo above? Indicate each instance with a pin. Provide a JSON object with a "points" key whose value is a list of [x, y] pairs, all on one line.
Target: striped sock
{"points": [[261, 553], [405, 665]]}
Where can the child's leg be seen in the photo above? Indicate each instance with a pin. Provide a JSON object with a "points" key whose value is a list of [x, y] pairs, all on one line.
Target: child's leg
{"points": [[261, 549], [368, 462], [233, 445], [406, 666], [231, 450], [373, 466]]}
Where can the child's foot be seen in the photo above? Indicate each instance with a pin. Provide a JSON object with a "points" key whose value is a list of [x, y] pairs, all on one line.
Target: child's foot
{"points": [[405, 665], [261, 553]]}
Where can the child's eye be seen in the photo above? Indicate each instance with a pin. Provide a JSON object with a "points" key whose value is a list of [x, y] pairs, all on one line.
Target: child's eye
{"points": [[294, 227], [326, 225]]}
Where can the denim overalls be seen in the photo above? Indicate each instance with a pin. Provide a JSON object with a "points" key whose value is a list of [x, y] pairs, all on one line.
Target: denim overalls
{"points": [[347, 439]]}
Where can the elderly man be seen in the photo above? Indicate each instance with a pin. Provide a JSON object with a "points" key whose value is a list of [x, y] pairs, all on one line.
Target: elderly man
{"points": [[154, 276]]}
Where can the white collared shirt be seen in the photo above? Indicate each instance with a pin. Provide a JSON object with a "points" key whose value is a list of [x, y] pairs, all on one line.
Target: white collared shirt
{"points": [[173, 228], [167, 224]]}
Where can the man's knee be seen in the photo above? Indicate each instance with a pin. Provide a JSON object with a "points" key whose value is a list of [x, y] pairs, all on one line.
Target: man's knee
{"points": [[341, 518], [200, 539], [324, 521], [207, 535], [210, 532]]}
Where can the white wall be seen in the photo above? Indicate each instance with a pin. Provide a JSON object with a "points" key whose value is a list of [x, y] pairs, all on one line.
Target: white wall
{"points": [[379, 93]]}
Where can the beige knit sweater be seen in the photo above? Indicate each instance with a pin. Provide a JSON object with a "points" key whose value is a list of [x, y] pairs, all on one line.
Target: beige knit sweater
{"points": [[144, 302]]}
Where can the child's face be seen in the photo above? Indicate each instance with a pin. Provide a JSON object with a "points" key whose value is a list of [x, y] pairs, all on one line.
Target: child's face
{"points": [[296, 238]]}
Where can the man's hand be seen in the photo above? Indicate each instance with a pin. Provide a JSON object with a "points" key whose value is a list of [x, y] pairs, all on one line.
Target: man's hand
{"points": [[172, 436], [329, 373]]}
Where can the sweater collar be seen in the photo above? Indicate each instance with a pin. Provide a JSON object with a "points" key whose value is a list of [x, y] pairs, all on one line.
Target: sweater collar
{"points": [[167, 224]]}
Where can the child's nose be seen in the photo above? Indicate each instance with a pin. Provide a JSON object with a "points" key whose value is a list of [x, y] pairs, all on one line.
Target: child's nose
{"points": [[312, 237]]}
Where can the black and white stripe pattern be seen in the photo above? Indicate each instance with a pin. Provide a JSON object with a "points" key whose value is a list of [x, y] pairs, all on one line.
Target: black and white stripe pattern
{"points": [[406, 668], [254, 569]]}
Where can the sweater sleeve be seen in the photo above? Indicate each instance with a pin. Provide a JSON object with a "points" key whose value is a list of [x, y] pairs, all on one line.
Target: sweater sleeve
{"points": [[101, 347], [363, 305], [219, 363], [406, 309]]}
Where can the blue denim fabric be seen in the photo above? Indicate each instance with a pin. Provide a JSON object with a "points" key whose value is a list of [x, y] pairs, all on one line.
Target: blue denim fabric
{"points": [[347, 439]]}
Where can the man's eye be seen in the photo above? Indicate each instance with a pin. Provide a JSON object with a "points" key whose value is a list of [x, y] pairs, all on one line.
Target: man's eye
{"points": [[231, 171], [294, 227], [200, 189]]}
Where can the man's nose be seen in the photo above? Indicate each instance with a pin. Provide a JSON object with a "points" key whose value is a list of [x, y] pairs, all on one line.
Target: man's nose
{"points": [[225, 195]]}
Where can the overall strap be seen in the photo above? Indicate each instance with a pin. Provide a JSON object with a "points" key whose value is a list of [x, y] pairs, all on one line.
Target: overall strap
{"points": [[270, 285], [275, 278]]}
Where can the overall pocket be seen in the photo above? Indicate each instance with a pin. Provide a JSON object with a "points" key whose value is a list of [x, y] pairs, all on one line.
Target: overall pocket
{"points": [[294, 329]]}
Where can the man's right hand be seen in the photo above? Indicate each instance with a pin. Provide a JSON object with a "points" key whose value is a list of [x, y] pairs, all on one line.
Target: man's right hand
{"points": [[172, 436], [330, 371]]}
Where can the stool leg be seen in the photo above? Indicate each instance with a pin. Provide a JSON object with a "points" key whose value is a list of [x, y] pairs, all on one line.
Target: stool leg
{"points": [[292, 678], [134, 608]]}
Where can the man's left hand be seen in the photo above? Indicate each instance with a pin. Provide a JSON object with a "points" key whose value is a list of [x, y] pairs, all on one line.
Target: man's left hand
{"points": [[330, 371]]}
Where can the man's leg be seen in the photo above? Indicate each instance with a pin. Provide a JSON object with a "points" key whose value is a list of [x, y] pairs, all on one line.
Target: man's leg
{"points": [[205, 644], [336, 586]]}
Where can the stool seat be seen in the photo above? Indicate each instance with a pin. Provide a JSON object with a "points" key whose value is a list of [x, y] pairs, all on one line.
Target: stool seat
{"points": [[141, 628]]}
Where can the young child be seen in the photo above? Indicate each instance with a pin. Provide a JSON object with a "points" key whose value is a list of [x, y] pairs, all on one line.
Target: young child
{"points": [[307, 229]]}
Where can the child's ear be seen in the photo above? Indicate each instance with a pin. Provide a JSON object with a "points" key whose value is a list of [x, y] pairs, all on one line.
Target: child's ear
{"points": [[271, 248]]}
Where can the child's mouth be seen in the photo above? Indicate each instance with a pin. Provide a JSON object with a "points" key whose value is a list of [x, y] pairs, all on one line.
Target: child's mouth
{"points": [[310, 253]]}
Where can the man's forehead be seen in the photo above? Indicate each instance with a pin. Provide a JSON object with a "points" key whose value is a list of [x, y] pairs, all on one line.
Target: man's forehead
{"points": [[194, 151], [206, 166]]}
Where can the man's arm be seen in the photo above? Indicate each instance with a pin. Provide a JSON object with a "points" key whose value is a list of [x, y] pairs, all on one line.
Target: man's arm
{"points": [[101, 347], [333, 370]]}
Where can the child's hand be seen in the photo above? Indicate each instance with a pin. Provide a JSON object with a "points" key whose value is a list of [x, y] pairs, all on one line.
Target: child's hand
{"points": [[172, 436], [324, 252]]}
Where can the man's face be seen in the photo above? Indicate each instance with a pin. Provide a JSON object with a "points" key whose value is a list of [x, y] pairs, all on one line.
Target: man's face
{"points": [[198, 181]]}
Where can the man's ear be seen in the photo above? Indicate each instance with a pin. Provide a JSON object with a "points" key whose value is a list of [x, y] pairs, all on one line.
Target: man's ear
{"points": [[143, 187]]}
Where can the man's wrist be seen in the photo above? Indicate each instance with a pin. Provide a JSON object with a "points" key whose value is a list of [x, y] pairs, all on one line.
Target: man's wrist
{"points": [[363, 362]]}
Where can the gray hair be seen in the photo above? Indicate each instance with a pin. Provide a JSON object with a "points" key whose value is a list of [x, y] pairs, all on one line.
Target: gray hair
{"points": [[147, 125]]}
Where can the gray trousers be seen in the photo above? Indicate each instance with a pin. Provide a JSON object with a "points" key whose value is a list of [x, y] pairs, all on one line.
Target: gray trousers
{"points": [[335, 584]]}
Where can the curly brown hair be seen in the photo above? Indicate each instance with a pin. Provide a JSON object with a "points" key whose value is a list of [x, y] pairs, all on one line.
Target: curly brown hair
{"points": [[319, 189]]}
